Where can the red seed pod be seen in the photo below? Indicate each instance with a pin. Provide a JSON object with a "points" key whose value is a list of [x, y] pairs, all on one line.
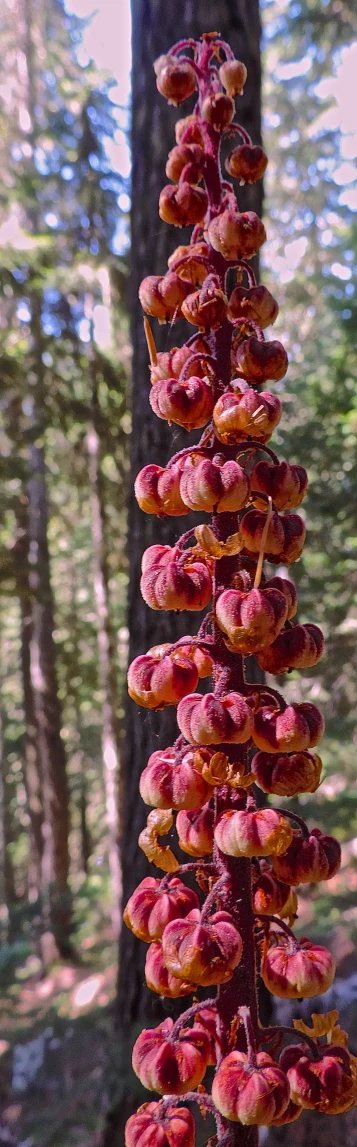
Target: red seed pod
{"points": [[257, 361], [186, 155], [195, 831], [167, 784], [151, 907], [192, 270], [255, 303], [294, 729], [155, 682], [286, 485], [292, 970], [247, 163], [236, 235], [175, 78], [184, 206], [288, 589], [170, 363], [172, 582], [162, 296], [207, 720], [207, 1019], [170, 1064], [159, 980], [269, 894], [296, 648], [246, 832], [307, 861], [291, 1113], [287, 774], [188, 402], [218, 110], [325, 1084], [247, 415], [285, 538], [157, 491], [207, 486], [251, 620], [190, 128], [233, 75], [201, 660], [252, 1095], [203, 953], [207, 308], [153, 1127]]}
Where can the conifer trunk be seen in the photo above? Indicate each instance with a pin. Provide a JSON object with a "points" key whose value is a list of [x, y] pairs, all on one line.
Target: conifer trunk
{"points": [[32, 775]]}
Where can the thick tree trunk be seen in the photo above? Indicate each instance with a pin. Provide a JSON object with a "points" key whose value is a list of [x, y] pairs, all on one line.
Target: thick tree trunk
{"points": [[156, 26], [106, 666]]}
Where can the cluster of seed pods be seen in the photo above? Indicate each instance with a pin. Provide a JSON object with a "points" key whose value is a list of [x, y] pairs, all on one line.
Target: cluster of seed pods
{"points": [[248, 860]]}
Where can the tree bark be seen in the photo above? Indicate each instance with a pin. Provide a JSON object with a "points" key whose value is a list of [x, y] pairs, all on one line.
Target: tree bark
{"points": [[32, 775], [106, 663], [156, 26]]}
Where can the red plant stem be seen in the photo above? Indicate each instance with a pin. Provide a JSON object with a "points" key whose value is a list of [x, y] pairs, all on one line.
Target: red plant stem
{"points": [[183, 1019]]}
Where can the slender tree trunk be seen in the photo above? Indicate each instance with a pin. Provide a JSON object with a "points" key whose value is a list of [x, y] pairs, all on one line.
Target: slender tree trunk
{"points": [[31, 757], [106, 663], [156, 26], [8, 887]]}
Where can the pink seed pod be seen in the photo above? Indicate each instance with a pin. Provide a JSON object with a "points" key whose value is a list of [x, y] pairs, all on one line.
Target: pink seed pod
{"points": [[167, 784], [207, 1019], [285, 538], [175, 78], [169, 364], [257, 361], [288, 589], [296, 648], [287, 774], [218, 110], [252, 1095], [190, 263], [162, 296], [170, 1064], [292, 970], [240, 415], [247, 163], [189, 127], [207, 308], [207, 486], [307, 861], [188, 156], [151, 907], [151, 1127], [203, 953], [236, 235], [155, 682], [233, 75], [195, 831], [187, 402], [269, 894], [157, 491], [208, 720], [200, 658], [159, 980], [296, 728], [325, 1084], [255, 303], [171, 581], [290, 1115], [251, 620], [183, 205], [285, 484], [260, 832]]}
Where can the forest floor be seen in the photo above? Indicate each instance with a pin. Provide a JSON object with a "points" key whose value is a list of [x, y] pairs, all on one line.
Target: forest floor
{"points": [[58, 1055]]}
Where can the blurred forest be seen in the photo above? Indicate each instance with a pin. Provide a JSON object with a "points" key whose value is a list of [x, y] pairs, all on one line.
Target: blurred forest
{"points": [[64, 462]]}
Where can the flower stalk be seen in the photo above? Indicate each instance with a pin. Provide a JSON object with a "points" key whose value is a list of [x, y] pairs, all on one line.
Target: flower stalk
{"points": [[247, 859]]}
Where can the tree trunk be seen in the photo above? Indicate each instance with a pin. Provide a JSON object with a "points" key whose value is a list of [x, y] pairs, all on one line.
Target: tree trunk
{"points": [[7, 875], [106, 663], [32, 776], [156, 26]]}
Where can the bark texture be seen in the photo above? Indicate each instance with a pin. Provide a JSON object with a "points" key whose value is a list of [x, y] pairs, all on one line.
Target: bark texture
{"points": [[157, 25]]}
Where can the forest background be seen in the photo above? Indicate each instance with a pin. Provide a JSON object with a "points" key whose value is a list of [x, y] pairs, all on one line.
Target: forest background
{"points": [[65, 428]]}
